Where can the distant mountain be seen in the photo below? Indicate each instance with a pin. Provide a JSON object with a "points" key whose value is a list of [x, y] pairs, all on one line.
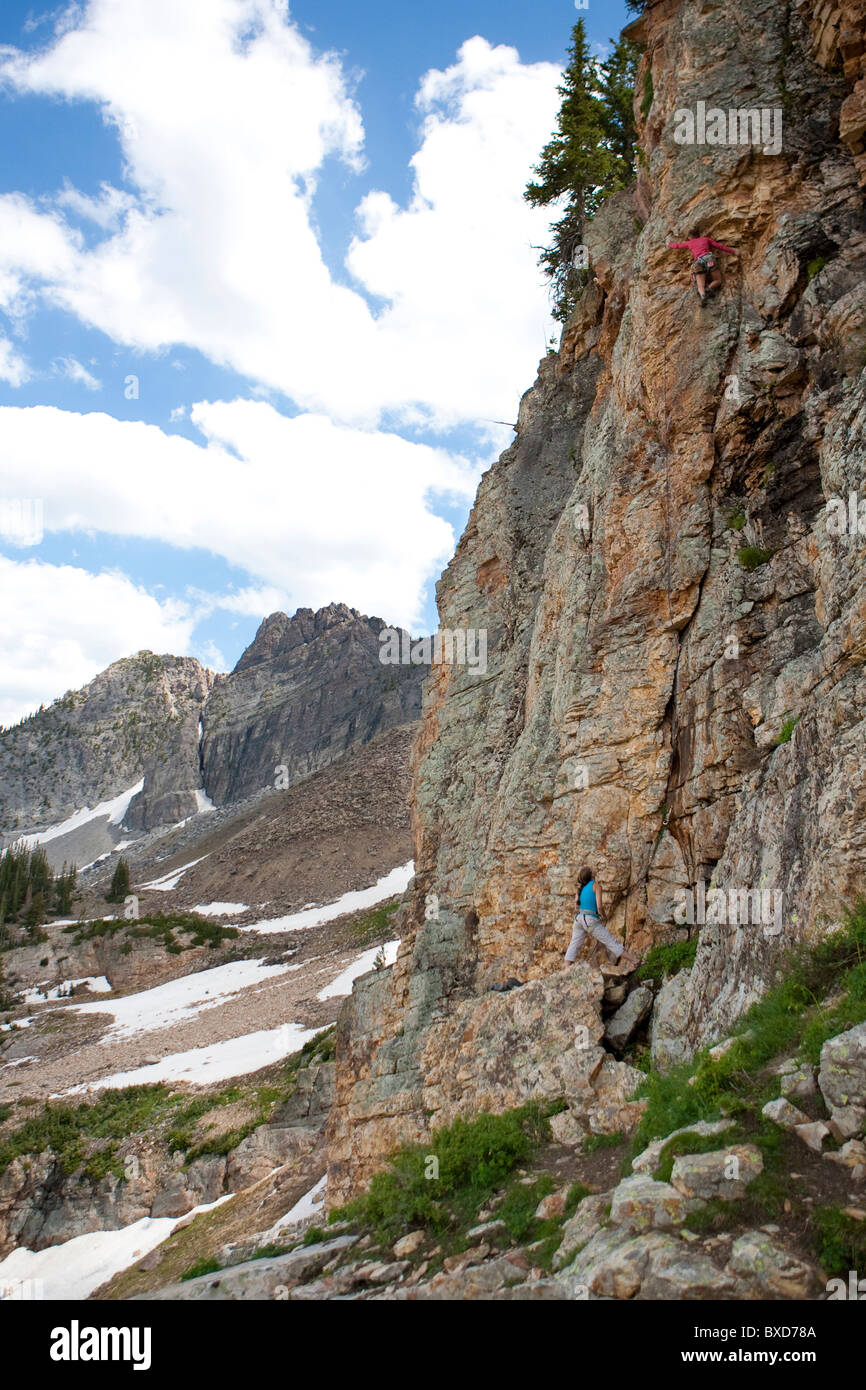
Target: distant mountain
{"points": [[305, 692]]}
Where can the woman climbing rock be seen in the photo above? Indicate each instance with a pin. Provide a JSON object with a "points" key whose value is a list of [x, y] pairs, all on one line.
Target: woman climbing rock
{"points": [[587, 921], [705, 262]]}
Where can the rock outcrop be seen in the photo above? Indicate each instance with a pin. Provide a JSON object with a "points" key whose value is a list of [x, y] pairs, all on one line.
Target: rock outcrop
{"points": [[137, 718], [669, 566], [306, 690]]}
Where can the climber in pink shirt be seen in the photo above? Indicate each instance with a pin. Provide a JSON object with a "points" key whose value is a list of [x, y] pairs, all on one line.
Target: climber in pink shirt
{"points": [[705, 262]]}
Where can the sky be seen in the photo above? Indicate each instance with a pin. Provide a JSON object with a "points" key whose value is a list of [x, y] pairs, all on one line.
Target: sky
{"points": [[268, 290]]}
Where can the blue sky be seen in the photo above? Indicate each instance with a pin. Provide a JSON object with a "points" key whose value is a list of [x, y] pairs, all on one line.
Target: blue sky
{"points": [[266, 279]]}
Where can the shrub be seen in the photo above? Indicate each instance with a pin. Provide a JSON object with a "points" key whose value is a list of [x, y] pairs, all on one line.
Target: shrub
{"points": [[751, 557]]}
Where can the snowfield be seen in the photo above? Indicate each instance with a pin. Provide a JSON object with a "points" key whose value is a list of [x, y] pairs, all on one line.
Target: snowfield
{"points": [[113, 810], [178, 1000], [73, 1270], [397, 881], [342, 985], [201, 1066]]}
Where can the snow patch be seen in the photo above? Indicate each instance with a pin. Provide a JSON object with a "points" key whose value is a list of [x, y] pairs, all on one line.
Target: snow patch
{"points": [[220, 909], [97, 984], [202, 1066], [344, 981], [309, 1205], [114, 810], [74, 1269], [181, 999], [397, 881], [171, 879]]}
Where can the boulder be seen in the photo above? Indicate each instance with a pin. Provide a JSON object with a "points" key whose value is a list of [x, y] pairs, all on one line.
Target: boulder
{"points": [[842, 1079], [622, 1026], [579, 1230], [724, 1173], [648, 1159], [769, 1271], [641, 1204]]}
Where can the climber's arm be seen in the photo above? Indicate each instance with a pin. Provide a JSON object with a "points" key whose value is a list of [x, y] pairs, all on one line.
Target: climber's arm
{"points": [[678, 246], [719, 247]]}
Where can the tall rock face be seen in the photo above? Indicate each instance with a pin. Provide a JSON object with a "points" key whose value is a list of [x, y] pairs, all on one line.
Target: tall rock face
{"points": [[306, 690], [133, 719], [670, 569]]}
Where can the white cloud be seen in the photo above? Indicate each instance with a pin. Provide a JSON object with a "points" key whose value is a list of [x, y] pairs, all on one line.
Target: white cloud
{"points": [[73, 369], [313, 511], [62, 625], [216, 95], [13, 368]]}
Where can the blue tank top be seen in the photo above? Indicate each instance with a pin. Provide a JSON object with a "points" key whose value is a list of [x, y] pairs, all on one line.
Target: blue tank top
{"points": [[587, 898]]}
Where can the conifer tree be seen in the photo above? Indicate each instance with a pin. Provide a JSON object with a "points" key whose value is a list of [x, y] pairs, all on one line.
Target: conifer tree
{"points": [[590, 155], [119, 882]]}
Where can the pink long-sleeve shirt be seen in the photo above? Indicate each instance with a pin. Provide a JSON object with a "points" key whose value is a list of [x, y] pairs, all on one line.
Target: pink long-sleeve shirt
{"points": [[699, 246]]}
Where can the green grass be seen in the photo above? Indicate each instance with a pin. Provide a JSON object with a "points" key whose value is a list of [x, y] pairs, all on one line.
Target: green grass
{"points": [[751, 557], [736, 521], [665, 960], [576, 1194], [200, 1267], [374, 924], [648, 94], [158, 926], [840, 1241], [791, 1019], [473, 1157], [816, 266], [270, 1252], [789, 724], [593, 1142], [314, 1235], [67, 1129]]}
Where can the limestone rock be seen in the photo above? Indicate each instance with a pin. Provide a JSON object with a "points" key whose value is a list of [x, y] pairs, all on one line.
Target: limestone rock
{"points": [[257, 1279], [799, 1084], [784, 1114], [648, 1159], [409, 1244], [580, 1228], [724, 1173], [769, 1270], [622, 1026], [842, 1079], [641, 1204]]}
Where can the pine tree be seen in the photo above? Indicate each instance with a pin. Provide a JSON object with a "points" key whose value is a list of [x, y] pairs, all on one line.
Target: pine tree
{"points": [[65, 886], [618, 73], [35, 914], [119, 883], [590, 155]]}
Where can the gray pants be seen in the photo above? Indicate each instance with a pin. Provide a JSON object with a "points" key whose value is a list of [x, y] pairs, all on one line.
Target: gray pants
{"points": [[587, 922]]}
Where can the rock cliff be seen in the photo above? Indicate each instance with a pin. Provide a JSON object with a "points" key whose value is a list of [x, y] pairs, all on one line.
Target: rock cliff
{"points": [[303, 692], [668, 562]]}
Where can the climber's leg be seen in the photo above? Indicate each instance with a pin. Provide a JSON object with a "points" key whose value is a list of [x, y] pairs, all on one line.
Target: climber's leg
{"points": [[616, 948], [701, 284], [578, 936]]}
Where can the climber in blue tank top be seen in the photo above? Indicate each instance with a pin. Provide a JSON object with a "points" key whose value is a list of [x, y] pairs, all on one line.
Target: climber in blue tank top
{"points": [[588, 921]]}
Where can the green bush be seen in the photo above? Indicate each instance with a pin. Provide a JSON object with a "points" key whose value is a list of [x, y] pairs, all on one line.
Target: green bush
{"points": [[665, 960], [473, 1158], [751, 557], [788, 726], [200, 1267]]}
